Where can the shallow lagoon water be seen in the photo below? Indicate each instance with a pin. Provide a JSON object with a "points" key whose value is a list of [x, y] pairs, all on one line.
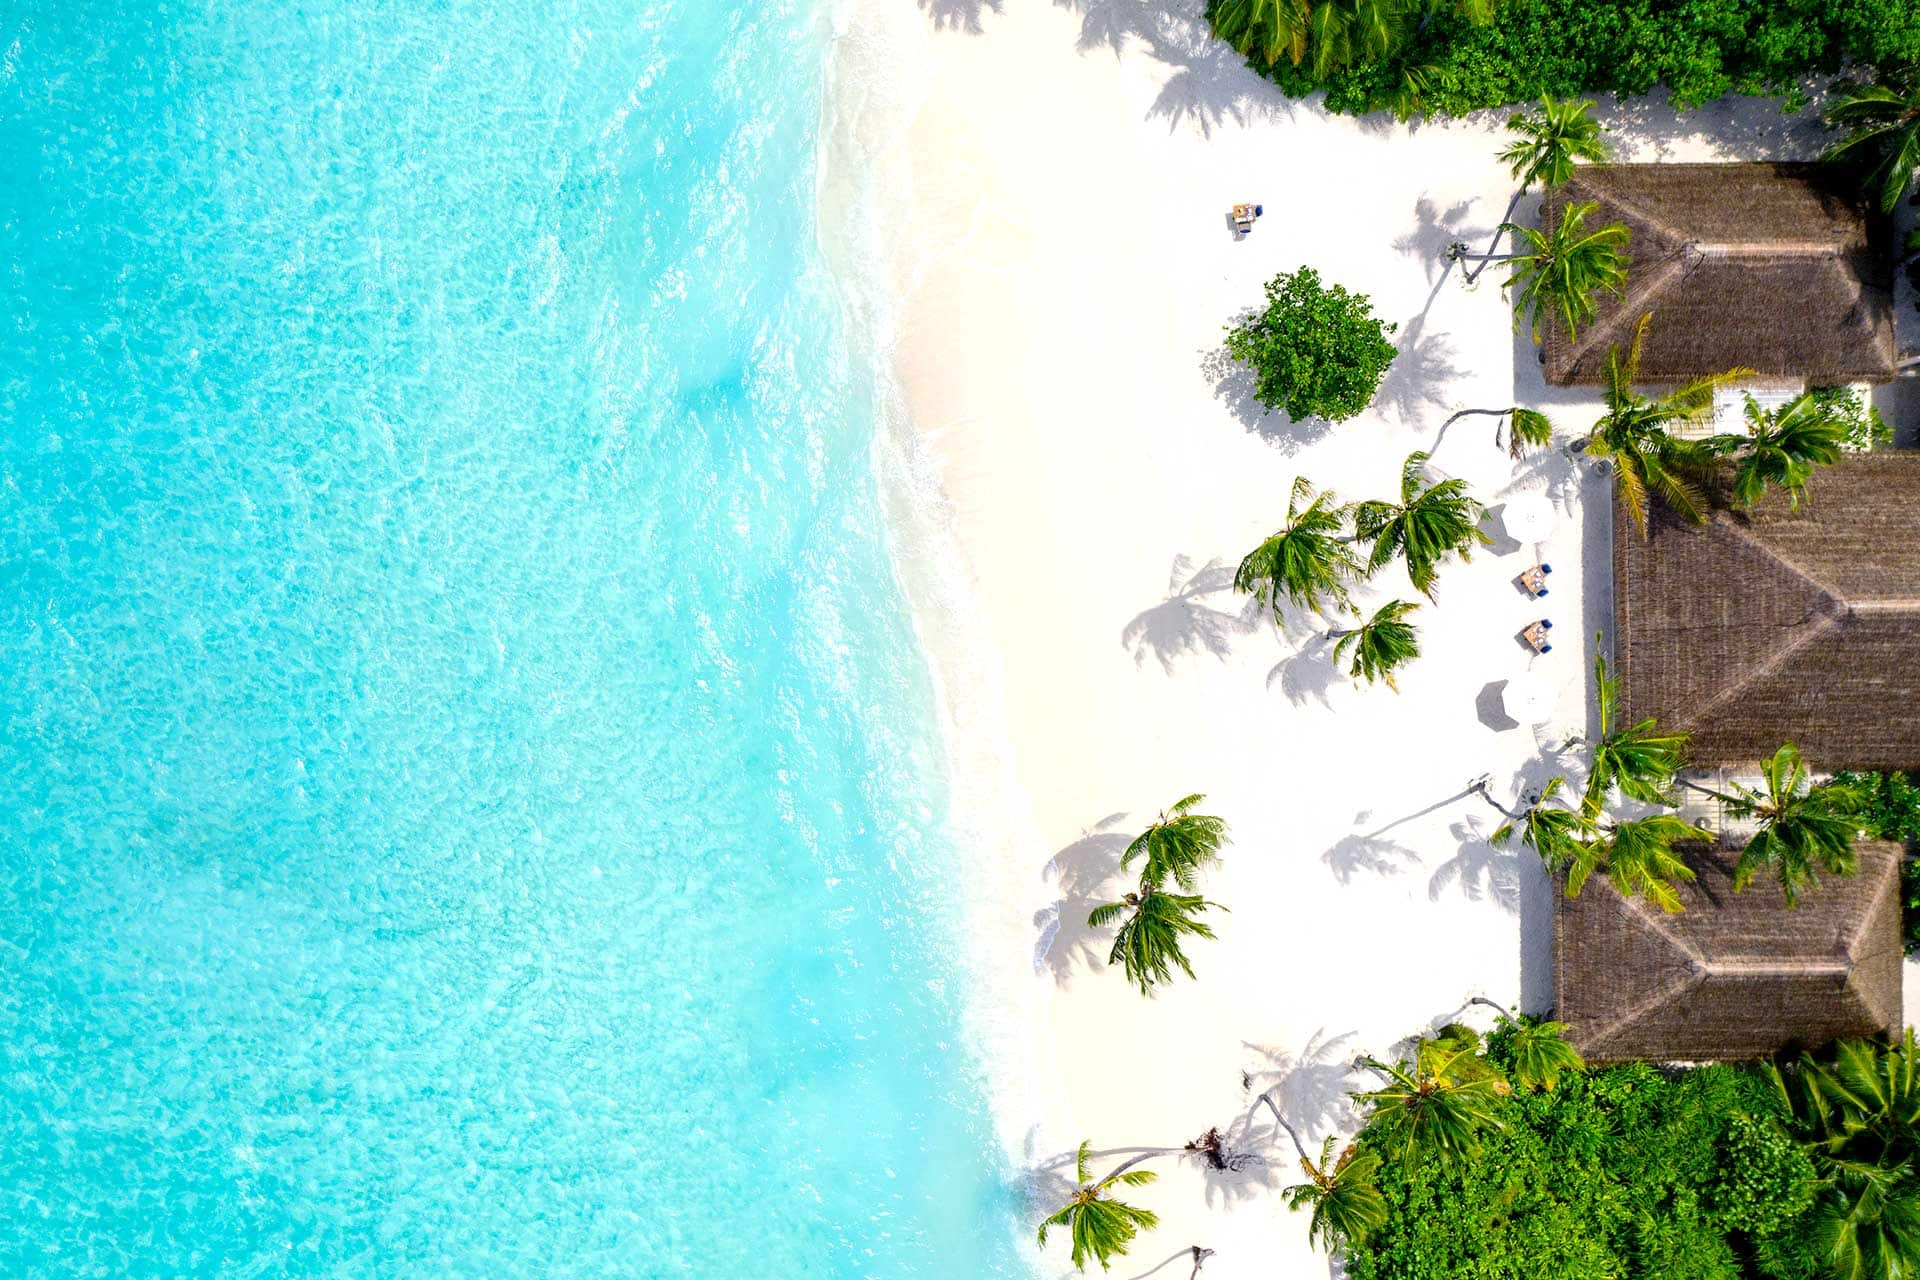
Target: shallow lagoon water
{"points": [[469, 798]]}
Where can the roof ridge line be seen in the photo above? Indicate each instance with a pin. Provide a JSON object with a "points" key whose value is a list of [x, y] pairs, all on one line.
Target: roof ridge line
{"points": [[1658, 997], [1772, 665], [1672, 266]]}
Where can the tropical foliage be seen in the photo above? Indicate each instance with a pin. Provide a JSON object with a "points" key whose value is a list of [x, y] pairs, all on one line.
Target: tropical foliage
{"points": [[1857, 1115], [1636, 435], [1890, 810], [1315, 351], [1549, 827], [1100, 1226], [1641, 856], [1801, 826], [1628, 1171], [1558, 272], [1429, 525], [1881, 122], [1781, 448], [1153, 923], [1343, 1194], [1177, 846], [1637, 760], [1324, 37], [1379, 645], [1699, 49], [1551, 140], [1308, 562], [1439, 1105], [1537, 1051]]}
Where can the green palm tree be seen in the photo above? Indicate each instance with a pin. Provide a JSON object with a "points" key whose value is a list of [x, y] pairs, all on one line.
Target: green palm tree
{"points": [[1638, 760], [1101, 1227], [1307, 562], [1635, 435], [1538, 1049], [1428, 526], [1343, 1194], [1439, 1105], [1380, 644], [1882, 120], [1640, 857], [1177, 846], [1547, 144], [1857, 1118], [1148, 945], [1801, 826], [1552, 140], [1783, 447], [1558, 270], [1332, 35], [1526, 428], [1552, 830]]}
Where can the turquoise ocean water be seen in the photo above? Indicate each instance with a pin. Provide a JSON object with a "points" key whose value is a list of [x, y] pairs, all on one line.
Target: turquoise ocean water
{"points": [[469, 796]]}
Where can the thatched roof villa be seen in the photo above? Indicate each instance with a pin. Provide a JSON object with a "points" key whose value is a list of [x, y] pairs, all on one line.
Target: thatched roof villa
{"points": [[1759, 266], [1734, 975], [1763, 627], [1772, 626]]}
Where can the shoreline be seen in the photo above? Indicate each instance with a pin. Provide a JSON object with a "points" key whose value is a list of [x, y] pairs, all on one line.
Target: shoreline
{"points": [[1069, 480], [865, 188]]}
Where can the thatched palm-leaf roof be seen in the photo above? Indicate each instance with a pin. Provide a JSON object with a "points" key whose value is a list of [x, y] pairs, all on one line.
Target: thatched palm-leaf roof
{"points": [[1733, 976], [1772, 626], [1760, 266]]}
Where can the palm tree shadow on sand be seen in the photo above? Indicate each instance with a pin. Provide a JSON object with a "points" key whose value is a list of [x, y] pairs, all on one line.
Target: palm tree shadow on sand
{"points": [[1374, 850], [1187, 622], [1086, 874], [1479, 869], [1308, 674]]}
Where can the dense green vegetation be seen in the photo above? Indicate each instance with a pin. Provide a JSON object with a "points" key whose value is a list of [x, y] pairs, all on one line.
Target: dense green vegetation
{"points": [[1789, 1172], [1315, 351], [1438, 58]]}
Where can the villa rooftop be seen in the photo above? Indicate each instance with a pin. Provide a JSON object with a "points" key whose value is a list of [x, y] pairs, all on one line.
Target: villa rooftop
{"points": [[1757, 266], [1733, 976], [1772, 626]]}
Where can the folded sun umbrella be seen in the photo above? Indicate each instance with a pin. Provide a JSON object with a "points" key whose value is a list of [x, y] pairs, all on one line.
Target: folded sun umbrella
{"points": [[1527, 700], [1528, 517]]}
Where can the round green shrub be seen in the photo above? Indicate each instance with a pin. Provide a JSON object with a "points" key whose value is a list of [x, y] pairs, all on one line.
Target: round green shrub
{"points": [[1316, 352]]}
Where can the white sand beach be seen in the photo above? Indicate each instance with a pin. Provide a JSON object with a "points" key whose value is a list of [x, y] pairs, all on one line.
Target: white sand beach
{"points": [[1049, 185]]}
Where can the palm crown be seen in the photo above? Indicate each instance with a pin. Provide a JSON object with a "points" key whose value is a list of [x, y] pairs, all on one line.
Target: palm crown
{"points": [[1558, 270], [1101, 1227], [1177, 846], [1783, 447], [1551, 140], [1551, 829], [1634, 435], [1430, 524], [1538, 1051], [1639, 760], [1858, 1117], [1640, 857], [1343, 1194], [1306, 562], [1801, 826], [1882, 120], [1148, 946], [1440, 1104], [1380, 644]]}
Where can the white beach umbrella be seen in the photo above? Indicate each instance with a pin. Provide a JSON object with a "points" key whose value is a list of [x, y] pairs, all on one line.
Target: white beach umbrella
{"points": [[1528, 517], [1528, 700]]}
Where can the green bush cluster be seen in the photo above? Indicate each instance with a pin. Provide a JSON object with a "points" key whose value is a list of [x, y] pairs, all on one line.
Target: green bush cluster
{"points": [[1700, 49], [1626, 1171], [1315, 351]]}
